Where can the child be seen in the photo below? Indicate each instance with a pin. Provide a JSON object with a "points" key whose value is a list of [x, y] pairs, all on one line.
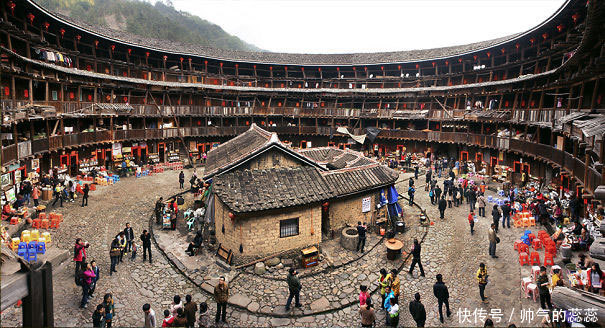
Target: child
{"points": [[134, 251], [168, 319], [471, 221], [203, 318]]}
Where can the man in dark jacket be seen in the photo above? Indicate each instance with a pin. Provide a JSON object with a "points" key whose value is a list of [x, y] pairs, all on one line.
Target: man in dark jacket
{"points": [[85, 196], [417, 311], [146, 239], [437, 192], [294, 287], [442, 206], [506, 214], [441, 293], [129, 233], [159, 208], [416, 258], [181, 180], [496, 217], [190, 311], [472, 199], [361, 236]]}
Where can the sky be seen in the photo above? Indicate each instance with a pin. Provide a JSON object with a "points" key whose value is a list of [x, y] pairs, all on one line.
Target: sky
{"points": [[345, 26]]}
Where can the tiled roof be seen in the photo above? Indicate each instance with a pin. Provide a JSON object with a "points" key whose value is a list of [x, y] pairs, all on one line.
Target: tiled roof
{"points": [[286, 58], [353, 180], [322, 154], [236, 149], [257, 190]]}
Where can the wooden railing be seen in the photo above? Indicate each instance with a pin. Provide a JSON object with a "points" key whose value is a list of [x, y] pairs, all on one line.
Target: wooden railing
{"points": [[545, 152]]}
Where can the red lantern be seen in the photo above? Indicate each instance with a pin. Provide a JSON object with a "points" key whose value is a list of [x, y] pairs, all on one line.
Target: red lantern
{"points": [[532, 40], [460, 60], [475, 57], [517, 46], [503, 51], [447, 63], [354, 69], [26, 93], [78, 37], [382, 68], [113, 47], [46, 25], [220, 64], [489, 54], [560, 27], [286, 68], [181, 59], [319, 69], [147, 54], [326, 204], [71, 95], [7, 91], [89, 97], [398, 66], [165, 58], [206, 62], [125, 99], [236, 65], [575, 17], [129, 51], [31, 17], [96, 43], [302, 69], [545, 36], [231, 215], [417, 66]]}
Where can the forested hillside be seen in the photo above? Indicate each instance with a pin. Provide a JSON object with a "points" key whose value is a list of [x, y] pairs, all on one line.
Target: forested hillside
{"points": [[159, 20]]}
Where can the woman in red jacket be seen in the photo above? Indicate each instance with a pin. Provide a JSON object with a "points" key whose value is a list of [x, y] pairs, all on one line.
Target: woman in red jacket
{"points": [[471, 221], [80, 255]]}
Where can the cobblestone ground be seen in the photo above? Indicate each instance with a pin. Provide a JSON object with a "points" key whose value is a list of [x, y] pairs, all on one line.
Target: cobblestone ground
{"points": [[448, 249]]}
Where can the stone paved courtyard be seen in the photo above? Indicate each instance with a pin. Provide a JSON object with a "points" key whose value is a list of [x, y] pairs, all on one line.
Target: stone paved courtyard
{"points": [[448, 249]]}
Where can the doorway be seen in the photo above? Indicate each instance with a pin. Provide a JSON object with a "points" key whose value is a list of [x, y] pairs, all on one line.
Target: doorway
{"points": [[325, 220]]}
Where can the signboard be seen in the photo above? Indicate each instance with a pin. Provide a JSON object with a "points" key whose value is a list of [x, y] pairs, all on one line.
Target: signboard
{"points": [[6, 180], [35, 164], [366, 204], [126, 150], [10, 195], [116, 149], [560, 142]]}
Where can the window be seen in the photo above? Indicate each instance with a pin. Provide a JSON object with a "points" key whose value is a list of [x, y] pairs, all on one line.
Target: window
{"points": [[288, 228]]}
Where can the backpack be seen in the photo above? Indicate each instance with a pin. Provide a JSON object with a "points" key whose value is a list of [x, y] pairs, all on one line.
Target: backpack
{"points": [[80, 278]]}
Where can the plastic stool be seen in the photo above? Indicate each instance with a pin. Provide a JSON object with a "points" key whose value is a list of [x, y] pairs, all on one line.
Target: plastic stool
{"points": [[14, 220], [42, 216], [34, 235], [523, 248], [25, 236], [548, 259], [516, 245], [533, 290], [523, 258], [32, 246], [536, 244], [45, 224], [32, 256], [36, 223], [525, 282], [532, 222], [41, 248], [22, 249], [15, 243], [518, 223], [46, 236], [54, 223], [534, 258], [531, 237], [535, 272]]}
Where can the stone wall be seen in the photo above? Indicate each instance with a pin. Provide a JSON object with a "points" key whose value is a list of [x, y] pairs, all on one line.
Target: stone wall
{"points": [[259, 234], [347, 210], [271, 158]]}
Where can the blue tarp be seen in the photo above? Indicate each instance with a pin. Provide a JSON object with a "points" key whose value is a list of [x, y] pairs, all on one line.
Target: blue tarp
{"points": [[394, 208]]}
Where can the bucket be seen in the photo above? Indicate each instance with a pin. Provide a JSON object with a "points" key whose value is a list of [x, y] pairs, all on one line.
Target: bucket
{"points": [[566, 251]]}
